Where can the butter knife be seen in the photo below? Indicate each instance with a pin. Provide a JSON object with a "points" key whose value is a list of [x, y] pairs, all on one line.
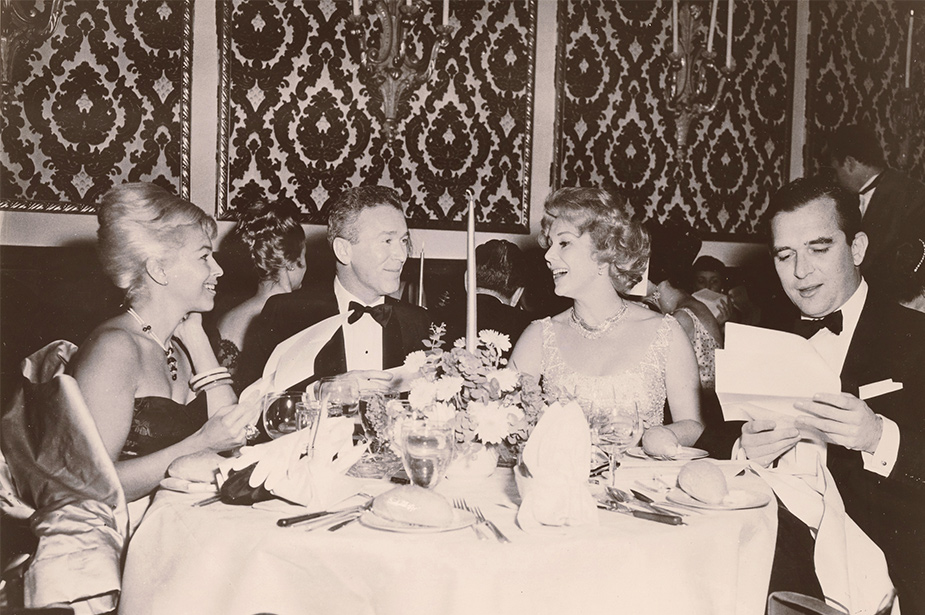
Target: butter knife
{"points": [[289, 521], [641, 514], [338, 526]]}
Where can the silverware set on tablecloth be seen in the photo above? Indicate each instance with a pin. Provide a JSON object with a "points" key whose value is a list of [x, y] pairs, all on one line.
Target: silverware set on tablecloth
{"points": [[480, 520], [339, 518], [641, 506]]}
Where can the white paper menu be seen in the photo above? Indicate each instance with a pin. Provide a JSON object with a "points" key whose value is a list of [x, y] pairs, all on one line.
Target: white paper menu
{"points": [[761, 373]]}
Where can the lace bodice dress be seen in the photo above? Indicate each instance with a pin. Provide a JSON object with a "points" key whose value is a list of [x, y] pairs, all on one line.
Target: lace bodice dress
{"points": [[705, 350], [644, 383]]}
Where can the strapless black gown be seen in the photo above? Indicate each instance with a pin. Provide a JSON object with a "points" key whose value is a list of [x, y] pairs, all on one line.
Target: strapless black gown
{"points": [[160, 422]]}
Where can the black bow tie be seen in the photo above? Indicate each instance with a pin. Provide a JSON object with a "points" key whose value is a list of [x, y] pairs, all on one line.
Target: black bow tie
{"points": [[871, 185], [380, 313], [809, 328]]}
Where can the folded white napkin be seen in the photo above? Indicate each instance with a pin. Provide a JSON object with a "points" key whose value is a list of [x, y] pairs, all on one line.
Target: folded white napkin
{"points": [[557, 456], [711, 299], [316, 480], [850, 567]]}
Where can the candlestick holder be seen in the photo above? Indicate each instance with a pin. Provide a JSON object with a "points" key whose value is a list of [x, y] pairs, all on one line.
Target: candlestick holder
{"points": [[908, 121], [694, 82], [25, 25], [391, 69]]}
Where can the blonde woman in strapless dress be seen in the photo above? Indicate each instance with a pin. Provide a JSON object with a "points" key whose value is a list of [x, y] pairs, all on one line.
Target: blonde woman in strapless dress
{"points": [[605, 347]]}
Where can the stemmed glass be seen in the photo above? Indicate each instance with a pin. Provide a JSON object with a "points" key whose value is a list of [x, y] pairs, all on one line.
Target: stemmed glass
{"points": [[615, 428], [427, 448]]}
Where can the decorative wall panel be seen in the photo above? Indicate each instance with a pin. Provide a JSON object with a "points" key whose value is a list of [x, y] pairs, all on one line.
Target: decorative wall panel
{"points": [[106, 100], [613, 127], [298, 125], [857, 55]]}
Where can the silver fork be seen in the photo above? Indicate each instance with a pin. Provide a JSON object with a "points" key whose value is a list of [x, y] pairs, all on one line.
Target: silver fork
{"points": [[461, 505], [494, 528]]}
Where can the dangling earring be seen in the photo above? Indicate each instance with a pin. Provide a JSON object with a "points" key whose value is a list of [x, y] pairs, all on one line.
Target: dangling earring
{"points": [[601, 270]]}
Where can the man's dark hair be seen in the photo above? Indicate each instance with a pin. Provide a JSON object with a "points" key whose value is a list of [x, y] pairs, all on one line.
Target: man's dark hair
{"points": [[802, 191], [858, 141], [500, 267], [346, 208]]}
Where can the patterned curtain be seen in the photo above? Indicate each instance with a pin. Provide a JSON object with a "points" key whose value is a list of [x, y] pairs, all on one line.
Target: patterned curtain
{"points": [[613, 127], [298, 125], [857, 56], [104, 101]]}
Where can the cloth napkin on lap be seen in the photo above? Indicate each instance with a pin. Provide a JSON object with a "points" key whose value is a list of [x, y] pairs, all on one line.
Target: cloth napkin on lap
{"points": [[557, 456], [316, 480], [850, 567]]}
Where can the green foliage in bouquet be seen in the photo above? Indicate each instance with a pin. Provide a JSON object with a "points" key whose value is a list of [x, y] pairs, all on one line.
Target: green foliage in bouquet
{"points": [[477, 393]]}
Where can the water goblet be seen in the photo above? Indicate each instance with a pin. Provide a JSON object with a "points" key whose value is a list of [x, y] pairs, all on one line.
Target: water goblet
{"points": [[341, 395], [427, 448], [615, 429], [375, 417]]}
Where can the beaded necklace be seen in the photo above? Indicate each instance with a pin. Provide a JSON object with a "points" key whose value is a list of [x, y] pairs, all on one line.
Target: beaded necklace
{"points": [[168, 347], [593, 333]]}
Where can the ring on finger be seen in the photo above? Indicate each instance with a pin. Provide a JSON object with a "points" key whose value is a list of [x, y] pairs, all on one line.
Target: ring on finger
{"points": [[250, 432]]}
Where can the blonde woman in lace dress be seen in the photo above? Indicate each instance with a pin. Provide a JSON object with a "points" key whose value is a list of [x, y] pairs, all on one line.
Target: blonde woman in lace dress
{"points": [[604, 347]]}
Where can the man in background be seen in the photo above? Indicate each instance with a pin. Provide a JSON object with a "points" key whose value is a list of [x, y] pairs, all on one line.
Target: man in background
{"points": [[890, 202], [500, 279]]}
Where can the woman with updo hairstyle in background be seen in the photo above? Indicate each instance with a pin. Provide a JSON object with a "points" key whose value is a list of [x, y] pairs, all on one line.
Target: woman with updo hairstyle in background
{"points": [[148, 375], [605, 347], [270, 235], [907, 276]]}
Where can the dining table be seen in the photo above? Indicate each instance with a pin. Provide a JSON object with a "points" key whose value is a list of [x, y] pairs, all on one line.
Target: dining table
{"points": [[230, 560]]}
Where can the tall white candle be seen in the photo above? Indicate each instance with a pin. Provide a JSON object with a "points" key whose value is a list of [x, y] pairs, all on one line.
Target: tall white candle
{"points": [[712, 25], [356, 7], [729, 37], [471, 321], [909, 47], [674, 26], [421, 279], [446, 12]]}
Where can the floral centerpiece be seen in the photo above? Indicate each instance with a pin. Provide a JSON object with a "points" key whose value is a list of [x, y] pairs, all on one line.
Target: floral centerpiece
{"points": [[487, 403]]}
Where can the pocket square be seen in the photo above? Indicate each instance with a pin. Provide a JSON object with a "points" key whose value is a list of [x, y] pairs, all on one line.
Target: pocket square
{"points": [[876, 389]]}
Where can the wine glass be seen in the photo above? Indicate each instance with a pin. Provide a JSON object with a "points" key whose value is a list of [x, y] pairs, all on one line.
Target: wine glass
{"points": [[615, 428], [427, 448], [342, 395], [286, 412], [375, 417]]}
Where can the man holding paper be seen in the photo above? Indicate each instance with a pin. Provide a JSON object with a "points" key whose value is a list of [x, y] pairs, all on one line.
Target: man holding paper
{"points": [[370, 240], [874, 428]]}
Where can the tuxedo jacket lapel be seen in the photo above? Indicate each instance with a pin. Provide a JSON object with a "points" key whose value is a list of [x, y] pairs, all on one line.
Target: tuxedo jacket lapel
{"points": [[393, 348]]}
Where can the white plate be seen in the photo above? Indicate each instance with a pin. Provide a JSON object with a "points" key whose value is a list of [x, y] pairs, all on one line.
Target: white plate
{"points": [[687, 453], [185, 486], [461, 519], [737, 499]]}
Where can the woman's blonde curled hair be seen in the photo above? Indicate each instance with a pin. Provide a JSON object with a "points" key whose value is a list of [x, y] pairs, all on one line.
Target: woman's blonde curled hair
{"points": [[139, 222], [618, 240]]}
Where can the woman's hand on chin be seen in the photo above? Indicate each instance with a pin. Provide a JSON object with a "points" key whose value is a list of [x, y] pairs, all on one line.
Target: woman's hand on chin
{"points": [[190, 328]]}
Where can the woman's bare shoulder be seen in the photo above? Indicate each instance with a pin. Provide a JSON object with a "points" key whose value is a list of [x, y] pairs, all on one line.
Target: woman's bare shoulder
{"points": [[111, 343]]}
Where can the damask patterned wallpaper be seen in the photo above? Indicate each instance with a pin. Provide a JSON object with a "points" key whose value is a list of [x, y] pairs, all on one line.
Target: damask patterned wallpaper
{"points": [[104, 101], [857, 56], [613, 127], [298, 125]]}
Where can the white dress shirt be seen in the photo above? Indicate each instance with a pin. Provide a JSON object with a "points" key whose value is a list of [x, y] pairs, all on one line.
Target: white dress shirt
{"points": [[865, 196], [362, 339], [833, 349]]}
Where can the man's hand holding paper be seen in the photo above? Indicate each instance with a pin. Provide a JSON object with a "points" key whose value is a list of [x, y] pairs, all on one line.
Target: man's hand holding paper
{"points": [[842, 419]]}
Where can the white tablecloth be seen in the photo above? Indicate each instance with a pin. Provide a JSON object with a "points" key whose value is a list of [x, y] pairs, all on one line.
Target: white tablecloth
{"points": [[230, 559]]}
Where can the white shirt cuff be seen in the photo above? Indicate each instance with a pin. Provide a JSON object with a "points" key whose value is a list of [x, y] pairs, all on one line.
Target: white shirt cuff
{"points": [[882, 460]]}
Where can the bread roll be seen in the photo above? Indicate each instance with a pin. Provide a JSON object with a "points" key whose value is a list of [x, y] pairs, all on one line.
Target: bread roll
{"points": [[414, 505], [659, 441], [198, 467], [704, 481]]}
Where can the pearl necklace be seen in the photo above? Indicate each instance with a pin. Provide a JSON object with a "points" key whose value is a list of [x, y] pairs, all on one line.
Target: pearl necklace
{"points": [[168, 347], [593, 333]]}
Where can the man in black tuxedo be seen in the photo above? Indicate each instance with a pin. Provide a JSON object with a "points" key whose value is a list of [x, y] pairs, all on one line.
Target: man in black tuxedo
{"points": [[369, 237], [875, 445], [499, 278], [891, 203]]}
